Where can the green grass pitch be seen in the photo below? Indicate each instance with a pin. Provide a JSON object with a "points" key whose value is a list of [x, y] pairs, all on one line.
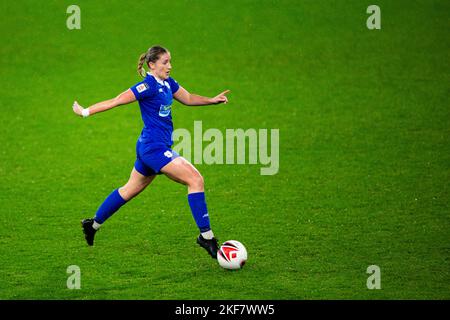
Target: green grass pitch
{"points": [[364, 123]]}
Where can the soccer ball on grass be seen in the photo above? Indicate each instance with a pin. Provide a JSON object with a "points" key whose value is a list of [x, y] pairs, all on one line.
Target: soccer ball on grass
{"points": [[232, 255]]}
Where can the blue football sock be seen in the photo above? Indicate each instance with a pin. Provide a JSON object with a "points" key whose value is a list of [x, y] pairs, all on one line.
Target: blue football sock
{"points": [[111, 204], [199, 210]]}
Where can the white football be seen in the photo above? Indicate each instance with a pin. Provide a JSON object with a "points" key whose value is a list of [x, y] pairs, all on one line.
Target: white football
{"points": [[232, 255]]}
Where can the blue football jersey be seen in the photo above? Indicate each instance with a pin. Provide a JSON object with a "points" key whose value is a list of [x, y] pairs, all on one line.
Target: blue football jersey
{"points": [[155, 101]]}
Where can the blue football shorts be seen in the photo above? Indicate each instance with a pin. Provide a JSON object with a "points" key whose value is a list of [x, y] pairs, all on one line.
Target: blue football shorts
{"points": [[150, 158]]}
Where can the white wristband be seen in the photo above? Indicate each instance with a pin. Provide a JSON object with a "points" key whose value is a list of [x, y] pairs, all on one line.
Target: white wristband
{"points": [[85, 112]]}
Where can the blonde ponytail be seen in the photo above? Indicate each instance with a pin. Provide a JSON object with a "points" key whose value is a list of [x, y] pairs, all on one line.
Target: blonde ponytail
{"points": [[152, 55], [140, 67]]}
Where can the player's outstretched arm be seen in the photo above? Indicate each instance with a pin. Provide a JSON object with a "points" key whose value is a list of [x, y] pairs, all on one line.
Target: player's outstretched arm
{"points": [[189, 99], [123, 98]]}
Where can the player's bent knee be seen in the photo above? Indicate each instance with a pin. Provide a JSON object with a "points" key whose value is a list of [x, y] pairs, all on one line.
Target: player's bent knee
{"points": [[197, 182]]}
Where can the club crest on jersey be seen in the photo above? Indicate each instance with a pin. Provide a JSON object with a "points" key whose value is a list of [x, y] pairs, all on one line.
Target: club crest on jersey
{"points": [[142, 87], [164, 111]]}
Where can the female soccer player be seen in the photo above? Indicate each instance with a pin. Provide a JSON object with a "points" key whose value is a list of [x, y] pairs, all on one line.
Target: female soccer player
{"points": [[154, 155]]}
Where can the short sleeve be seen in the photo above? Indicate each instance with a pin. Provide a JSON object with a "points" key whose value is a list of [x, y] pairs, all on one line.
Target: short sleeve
{"points": [[142, 90], [174, 86]]}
